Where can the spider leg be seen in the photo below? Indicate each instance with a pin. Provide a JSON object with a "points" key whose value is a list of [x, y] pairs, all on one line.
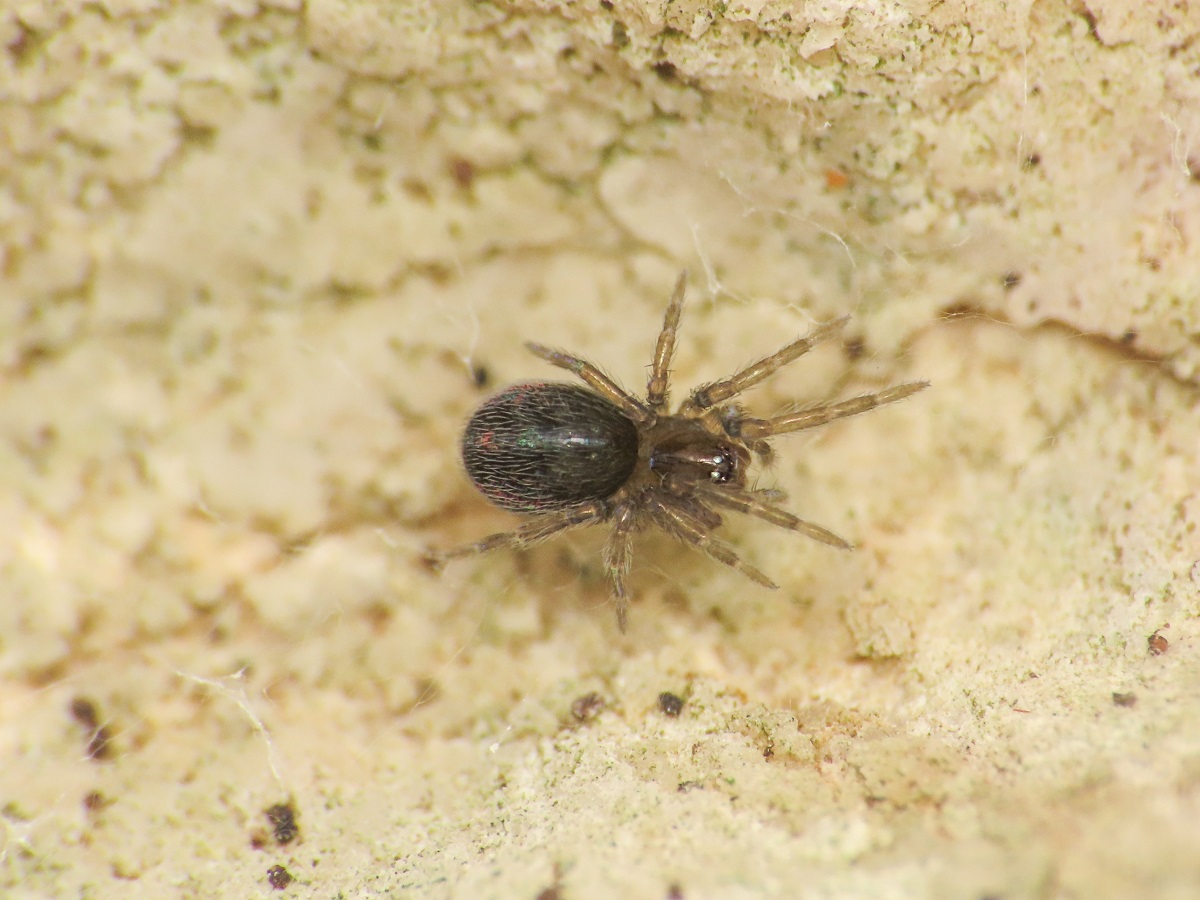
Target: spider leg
{"points": [[752, 505], [756, 429], [660, 373], [594, 379], [719, 392], [684, 524], [618, 559], [768, 495], [531, 532]]}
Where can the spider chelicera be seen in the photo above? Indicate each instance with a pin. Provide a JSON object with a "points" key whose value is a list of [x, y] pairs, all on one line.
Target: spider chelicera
{"points": [[570, 456]]}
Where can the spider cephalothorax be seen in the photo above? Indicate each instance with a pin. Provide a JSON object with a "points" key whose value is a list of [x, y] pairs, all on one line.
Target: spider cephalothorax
{"points": [[568, 455]]}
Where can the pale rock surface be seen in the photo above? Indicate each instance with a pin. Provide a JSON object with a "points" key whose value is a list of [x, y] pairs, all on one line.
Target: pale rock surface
{"points": [[256, 255]]}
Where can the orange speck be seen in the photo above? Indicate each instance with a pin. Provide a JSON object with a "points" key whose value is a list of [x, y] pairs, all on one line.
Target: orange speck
{"points": [[836, 179]]}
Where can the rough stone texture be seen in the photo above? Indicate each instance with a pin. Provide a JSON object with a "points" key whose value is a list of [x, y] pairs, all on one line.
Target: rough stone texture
{"points": [[255, 256]]}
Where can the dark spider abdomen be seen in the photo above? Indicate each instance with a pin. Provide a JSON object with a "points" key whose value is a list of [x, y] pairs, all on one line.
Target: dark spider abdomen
{"points": [[547, 446]]}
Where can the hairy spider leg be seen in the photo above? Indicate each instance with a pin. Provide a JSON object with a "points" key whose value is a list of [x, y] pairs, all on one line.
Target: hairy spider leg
{"points": [[757, 429], [715, 394], [531, 532], [747, 502], [684, 525], [595, 379], [660, 374], [618, 558]]}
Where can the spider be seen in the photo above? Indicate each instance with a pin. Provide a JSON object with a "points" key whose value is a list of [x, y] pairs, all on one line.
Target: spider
{"points": [[569, 456]]}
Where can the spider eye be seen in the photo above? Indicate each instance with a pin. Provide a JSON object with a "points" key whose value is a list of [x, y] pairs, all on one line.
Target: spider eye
{"points": [[724, 464]]}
